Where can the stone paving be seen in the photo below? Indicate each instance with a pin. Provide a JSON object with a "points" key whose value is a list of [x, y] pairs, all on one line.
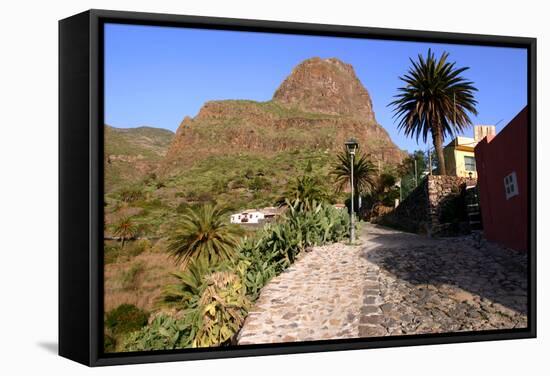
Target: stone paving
{"points": [[319, 297], [419, 285], [393, 284]]}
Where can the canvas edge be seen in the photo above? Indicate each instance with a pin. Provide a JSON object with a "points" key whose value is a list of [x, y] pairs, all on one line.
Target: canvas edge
{"points": [[93, 315]]}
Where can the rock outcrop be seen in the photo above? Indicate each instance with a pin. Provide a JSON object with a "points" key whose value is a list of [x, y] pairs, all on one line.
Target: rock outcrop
{"points": [[326, 86], [319, 105]]}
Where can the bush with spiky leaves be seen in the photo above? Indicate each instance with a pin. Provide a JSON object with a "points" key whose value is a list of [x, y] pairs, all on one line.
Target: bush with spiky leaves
{"points": [[204, 232], [213, 302], [221, 309]]}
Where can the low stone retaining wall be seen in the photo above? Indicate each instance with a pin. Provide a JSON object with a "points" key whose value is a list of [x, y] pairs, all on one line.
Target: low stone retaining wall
{"points": [[422, 210]]}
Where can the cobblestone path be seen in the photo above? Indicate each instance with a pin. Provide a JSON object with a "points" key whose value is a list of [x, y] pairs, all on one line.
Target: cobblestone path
{"points": [[393, 284], [319, 297]]}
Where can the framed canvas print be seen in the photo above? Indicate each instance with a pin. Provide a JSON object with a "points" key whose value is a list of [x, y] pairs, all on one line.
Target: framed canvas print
{"points": [[239, 187]]}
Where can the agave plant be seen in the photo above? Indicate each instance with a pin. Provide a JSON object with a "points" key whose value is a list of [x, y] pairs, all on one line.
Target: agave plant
{"points": [[221, 309], [435, 100], [204, 233]]}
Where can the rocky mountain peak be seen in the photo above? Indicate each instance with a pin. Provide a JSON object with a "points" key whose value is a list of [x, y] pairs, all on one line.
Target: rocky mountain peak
{"points": [[327, 86]]}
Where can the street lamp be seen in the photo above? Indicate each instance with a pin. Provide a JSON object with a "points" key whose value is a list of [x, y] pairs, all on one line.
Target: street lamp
{"points": [[351, 146]]}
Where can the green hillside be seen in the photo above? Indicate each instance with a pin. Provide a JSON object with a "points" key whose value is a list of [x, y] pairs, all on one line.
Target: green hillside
{"points": [[131, 153]]}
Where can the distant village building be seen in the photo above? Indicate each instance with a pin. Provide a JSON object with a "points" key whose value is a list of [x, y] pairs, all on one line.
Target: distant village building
{"points": [[247, 216], [459, 153], [502, 166], [255, 216]]}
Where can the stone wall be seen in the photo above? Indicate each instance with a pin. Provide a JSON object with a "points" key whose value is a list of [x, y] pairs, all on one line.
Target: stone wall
{"points": [[422, 210]]}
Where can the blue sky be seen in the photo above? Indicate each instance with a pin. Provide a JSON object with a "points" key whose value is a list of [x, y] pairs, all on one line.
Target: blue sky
{"points": [[156, 76]]}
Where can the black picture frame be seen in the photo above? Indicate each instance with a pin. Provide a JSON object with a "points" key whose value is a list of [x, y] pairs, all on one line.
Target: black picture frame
{"points": [[81, 185]]}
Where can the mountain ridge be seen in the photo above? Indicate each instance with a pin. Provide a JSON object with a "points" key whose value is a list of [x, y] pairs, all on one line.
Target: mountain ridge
{"points": [[320, 105]]}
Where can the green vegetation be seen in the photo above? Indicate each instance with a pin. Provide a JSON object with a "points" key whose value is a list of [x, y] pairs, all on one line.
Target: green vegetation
{"points": [[364, 174], [131, 194], [223, 267], [114, 252], [305, 189], [129, 277], [164, 333], [121, 321], [435, 100], [384, 192], [213, 302], [127, 147], [125, 318], [409, 177], [125, 229], [204, 233], [214, 295], [146, 141]]}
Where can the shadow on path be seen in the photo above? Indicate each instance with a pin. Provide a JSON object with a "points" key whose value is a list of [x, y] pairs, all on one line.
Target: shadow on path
{"points": [[490, 272]]}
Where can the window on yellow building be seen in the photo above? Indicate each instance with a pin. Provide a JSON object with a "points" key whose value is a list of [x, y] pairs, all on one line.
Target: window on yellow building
{"points": [[469, 163]]}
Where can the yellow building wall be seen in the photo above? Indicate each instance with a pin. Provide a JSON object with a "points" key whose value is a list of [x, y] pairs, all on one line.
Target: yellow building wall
{"points": [[455, 163]]}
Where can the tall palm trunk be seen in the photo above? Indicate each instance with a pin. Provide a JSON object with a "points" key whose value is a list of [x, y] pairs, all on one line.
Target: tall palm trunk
{"points": [[437, 136]]}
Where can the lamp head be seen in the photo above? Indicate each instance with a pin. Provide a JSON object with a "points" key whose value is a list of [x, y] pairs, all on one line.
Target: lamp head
{"points": [[351, 145]]}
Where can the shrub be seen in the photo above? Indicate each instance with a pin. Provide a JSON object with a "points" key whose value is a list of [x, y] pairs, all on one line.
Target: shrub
{"points": [[129, 277], [258, 183], [237, 182], [131, 194], [259, 263], [164, 333], [109, 343], [138, 247], [220, 311], [110, 253], [214, 302], [189, 285], [125, 318]]}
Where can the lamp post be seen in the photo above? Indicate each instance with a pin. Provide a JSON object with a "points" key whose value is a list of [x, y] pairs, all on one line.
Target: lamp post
{"points": [[351, 146]]}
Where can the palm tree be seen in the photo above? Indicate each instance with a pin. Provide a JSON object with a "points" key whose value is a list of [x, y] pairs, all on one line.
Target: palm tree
{"points": [[364, 172], [436, 99], [304, 188], [125, 229], [204, 233]]}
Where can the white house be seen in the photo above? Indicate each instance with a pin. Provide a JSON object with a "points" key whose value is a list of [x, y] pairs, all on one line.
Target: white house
{"points": [[248, 216]]}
